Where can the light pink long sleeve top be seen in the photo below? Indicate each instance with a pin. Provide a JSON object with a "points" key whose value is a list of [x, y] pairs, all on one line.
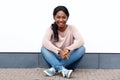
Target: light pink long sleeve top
{"points": [[70, 39]]}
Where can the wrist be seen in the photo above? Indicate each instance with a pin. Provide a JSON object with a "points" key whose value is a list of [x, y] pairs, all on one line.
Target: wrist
{"points": [[68, 50], [59, 52]]}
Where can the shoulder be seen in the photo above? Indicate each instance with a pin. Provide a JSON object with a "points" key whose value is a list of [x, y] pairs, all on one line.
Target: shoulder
{"points": [[72, 27], [49, 30]]}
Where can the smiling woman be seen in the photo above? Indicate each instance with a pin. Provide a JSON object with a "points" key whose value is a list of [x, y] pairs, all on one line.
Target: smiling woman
{"points": [[62, 45]]}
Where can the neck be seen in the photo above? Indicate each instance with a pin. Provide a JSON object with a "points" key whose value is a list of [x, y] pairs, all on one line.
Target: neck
{"points": [[62, 29]]}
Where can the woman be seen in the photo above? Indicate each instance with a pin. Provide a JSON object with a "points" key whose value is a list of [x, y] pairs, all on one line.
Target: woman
{"points": [[62, 45]]}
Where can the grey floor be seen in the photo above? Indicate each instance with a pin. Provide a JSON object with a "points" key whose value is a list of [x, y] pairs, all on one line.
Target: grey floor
{"points": [[78, 74]]}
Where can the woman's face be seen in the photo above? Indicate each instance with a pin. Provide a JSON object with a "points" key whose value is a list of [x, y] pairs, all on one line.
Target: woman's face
{"points": [[61, 19]]}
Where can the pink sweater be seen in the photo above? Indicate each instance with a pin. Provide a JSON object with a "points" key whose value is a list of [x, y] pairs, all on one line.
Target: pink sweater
{"points": [[70, 39]]}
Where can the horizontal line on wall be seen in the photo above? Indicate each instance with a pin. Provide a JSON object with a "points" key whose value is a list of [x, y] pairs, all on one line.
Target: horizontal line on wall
{"points": [[39, 53]]}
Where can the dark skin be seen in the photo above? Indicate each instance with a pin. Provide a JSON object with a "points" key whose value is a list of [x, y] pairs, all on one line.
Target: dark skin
{"points": [[64, 53], [61, 19]]}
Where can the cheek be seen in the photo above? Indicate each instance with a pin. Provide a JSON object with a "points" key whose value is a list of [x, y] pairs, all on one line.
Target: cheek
{"points": [[64, 22]]}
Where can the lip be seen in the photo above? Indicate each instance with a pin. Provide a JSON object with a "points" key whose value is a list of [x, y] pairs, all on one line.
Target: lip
{"points": [[61, 22]]}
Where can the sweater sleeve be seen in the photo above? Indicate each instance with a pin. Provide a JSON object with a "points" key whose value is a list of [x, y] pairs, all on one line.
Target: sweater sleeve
{"points": [[78, 40], [47, 42]]}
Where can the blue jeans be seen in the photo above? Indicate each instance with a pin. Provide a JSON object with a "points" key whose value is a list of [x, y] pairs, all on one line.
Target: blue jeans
{"points": [[57, 62]]}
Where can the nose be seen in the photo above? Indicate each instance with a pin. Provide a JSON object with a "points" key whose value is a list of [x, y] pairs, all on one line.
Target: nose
{"points": [[61, 19]]}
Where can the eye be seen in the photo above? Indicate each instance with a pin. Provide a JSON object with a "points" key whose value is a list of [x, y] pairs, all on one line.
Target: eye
{"points": [[58, 17], [64, 17]]}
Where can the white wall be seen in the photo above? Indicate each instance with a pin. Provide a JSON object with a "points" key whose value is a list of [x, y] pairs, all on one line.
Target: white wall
{"points": [[23, 23]]}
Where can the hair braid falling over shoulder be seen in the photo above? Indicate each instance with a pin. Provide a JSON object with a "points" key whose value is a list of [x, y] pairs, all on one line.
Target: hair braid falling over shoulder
{"points": [[55, 31]]}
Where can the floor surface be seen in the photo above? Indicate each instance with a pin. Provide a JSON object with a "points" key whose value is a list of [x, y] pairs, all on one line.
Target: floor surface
{"points": [[78, 74]]}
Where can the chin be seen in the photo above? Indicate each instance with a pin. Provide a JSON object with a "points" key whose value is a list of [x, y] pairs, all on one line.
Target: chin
{"points": [[60, 26]]}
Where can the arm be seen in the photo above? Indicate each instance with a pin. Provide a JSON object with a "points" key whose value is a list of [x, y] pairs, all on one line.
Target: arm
{"points": [[47, 42], [78, 40]]}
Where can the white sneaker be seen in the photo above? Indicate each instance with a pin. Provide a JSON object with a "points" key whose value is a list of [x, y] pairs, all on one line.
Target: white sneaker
{"points": [[66, 73], [50, 72]]}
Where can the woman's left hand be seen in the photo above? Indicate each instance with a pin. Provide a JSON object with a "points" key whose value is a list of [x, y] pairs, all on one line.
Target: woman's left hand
{"points": [[66, 53]]}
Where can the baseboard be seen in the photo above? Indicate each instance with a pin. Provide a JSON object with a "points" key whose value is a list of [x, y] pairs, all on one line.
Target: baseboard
{"points": [[35, 59]]}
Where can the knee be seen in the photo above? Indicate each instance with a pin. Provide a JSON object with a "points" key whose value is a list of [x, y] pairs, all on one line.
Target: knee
{"points": [[43, 49], [82, 49]]}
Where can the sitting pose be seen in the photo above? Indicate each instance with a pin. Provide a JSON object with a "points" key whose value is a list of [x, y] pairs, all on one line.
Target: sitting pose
{"points": [[62, 45]]}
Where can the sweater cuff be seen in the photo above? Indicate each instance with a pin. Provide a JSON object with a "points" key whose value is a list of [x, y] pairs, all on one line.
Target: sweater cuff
{"points": [[57, 51], [69, 49]]}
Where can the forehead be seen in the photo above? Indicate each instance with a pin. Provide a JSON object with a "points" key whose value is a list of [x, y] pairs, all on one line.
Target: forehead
{"points": [[61, 13]]}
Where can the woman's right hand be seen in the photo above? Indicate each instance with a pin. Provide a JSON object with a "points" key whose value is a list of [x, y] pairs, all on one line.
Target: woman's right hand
{"points": [[61, 53], [64, 54]]}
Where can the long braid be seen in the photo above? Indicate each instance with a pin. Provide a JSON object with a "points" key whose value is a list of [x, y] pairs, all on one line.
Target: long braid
{"points": [[55, 31]]}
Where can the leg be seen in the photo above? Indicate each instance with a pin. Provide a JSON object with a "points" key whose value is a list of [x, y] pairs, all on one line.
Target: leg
{"points": [[74, 56], [54, 61], [74, 65], [51, 58]]}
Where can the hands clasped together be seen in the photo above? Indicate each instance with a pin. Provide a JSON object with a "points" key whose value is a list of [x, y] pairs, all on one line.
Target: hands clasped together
{"points": [[64, 54]]}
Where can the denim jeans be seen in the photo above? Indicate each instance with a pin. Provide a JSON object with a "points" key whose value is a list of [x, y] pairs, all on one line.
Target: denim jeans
{"points": [[57, 62]]}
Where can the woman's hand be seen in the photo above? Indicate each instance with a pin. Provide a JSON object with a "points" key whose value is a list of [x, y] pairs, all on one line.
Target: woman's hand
{"points": [[61, 53], [64, 53]]}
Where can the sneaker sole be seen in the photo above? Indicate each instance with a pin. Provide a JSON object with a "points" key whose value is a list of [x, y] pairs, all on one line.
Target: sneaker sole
{"points": [[48, 73], [62, 73], [70, 73]]}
